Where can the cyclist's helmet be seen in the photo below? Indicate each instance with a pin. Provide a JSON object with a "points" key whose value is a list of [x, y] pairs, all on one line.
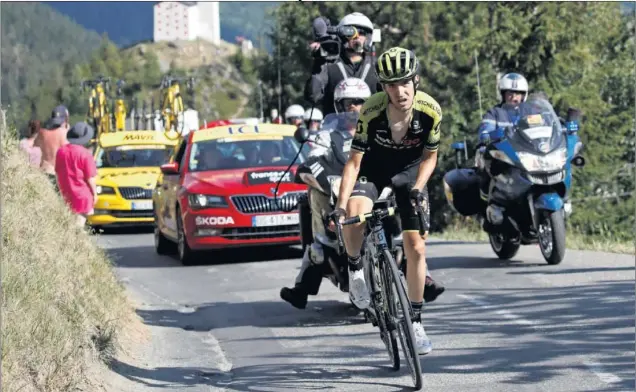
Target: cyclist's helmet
{"points": [[350, 90], [513, 82], [397, 64], [293, 113]]}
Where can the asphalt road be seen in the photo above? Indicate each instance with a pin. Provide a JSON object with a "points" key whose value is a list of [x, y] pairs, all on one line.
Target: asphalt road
{"points": [[500, 326]]}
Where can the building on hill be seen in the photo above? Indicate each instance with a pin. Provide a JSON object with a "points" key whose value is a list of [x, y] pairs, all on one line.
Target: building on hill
{"points": [[187, 20]]}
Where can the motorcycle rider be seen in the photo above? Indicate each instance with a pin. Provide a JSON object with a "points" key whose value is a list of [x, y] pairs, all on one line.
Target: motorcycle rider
{"points": [[351, 92], [294, 115], [398, 134], [313, 118], [354, 61]]}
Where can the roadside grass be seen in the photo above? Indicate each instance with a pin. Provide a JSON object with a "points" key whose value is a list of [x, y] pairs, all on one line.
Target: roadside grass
{"points": [[64, 314], [468, 229]]}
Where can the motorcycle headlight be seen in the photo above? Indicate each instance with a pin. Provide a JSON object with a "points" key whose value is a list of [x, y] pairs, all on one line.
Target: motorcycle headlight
{"points": [[500, 155], [206, 201], [105, 190], [551, 162]]}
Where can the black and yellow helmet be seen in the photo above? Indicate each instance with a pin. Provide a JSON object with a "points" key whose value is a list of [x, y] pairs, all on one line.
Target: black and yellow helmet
{"points": [[397, 64]]}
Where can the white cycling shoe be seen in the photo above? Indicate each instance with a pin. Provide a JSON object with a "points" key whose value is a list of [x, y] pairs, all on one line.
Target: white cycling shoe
{"points": [[358, 292], [423, 344]]}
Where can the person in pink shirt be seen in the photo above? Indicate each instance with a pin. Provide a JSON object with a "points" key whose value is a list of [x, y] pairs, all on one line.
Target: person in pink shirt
{"points": [[76, 172], [28, 144]]}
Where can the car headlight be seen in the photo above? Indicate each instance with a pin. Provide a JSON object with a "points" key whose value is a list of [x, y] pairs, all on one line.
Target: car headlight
{"points": [[551, 162], [206, 201], [105, 190]]}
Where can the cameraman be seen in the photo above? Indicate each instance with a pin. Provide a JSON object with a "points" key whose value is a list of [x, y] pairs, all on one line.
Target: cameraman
{"points": [[353, 60]]}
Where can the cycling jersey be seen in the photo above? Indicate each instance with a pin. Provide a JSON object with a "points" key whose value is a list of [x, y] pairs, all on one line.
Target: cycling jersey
{"points": [[382, 156]]}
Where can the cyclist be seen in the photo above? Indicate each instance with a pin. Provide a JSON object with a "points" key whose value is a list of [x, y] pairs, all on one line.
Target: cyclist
{"points": [[398, 133], [294, 115]]}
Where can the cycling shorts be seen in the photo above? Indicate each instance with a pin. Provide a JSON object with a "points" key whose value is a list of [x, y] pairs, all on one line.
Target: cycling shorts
{"points": [[371, 188]]}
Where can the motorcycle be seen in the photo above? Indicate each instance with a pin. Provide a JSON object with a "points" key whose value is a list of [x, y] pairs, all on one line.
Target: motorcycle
{"points": [[528, 167], [322, 173]]}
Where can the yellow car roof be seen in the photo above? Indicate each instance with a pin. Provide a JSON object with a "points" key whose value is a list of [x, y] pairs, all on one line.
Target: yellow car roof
{"points": [[244, 132], [112, 139]]}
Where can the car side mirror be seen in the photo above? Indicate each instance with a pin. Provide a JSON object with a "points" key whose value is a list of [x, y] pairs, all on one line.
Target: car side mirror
{"points": [[170, 168], [301, 135]]}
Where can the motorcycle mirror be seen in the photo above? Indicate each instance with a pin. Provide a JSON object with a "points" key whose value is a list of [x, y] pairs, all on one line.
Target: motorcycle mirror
{"points": [[301, 135], [578, 161]]}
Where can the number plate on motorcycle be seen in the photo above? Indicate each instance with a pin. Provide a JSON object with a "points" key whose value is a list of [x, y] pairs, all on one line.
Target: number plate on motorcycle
{"points": [[275, 220]]}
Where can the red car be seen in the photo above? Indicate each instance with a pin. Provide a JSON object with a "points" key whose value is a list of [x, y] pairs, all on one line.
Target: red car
{"points": [[217, 191]]}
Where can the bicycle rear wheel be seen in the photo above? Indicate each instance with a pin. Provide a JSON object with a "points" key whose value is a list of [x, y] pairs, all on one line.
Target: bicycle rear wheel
{"points": [[400, 310], [380, 306]]}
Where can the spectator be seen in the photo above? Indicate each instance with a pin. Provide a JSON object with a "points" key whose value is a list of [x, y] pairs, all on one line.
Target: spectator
{"points": [[51, 138], [28, 144], [76, 172]]}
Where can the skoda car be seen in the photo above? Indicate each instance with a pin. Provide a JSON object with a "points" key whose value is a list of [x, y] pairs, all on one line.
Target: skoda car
{"points": [[127, 170], [217, 191]]}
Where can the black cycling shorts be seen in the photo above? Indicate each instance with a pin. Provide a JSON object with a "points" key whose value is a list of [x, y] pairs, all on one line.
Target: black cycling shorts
{"points": [[371, 189]]}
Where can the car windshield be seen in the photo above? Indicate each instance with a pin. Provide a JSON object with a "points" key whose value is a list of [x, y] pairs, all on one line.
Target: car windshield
{"points": [[133, 156], [229, 153]]}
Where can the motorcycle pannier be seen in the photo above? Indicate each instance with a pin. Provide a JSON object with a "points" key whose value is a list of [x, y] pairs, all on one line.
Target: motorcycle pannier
{"points": [[462, 191]]}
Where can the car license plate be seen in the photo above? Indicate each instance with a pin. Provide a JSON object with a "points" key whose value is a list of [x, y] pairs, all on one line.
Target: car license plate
{"points": [[275, 220], [142, 205]]}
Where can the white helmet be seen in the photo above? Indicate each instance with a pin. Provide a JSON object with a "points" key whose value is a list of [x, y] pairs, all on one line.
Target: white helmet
{"points": [[513, 82], [350, 88], [357, 19], [294, 111], [315, 116]]}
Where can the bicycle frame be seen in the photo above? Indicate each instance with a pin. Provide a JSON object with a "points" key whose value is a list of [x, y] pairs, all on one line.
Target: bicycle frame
{"points": [[172, 106], [120, 110], [98, 113]]}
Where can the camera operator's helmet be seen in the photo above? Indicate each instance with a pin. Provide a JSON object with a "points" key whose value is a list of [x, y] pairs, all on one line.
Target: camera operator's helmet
{"points": [[350, 90], [316, 115], [294, 112], [397, 64], [361, 23], [513, 82]]}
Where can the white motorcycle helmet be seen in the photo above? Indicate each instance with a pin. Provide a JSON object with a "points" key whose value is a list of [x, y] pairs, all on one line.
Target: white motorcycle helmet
{"points": [[294, 112], [350, 88], [513, 82], [360, 22], [316, 115]]}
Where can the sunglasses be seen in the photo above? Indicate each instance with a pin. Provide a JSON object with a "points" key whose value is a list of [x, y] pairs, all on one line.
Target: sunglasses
{"points": [[351, 101]]}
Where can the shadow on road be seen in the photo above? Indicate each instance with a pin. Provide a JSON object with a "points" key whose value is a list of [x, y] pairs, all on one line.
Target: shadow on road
{"points": [[594, 321], [147, 257], [437, 263]]}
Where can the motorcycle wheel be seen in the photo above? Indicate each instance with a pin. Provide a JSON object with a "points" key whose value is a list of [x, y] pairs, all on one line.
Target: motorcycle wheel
{"points": [[552, 237], [505, 250]]}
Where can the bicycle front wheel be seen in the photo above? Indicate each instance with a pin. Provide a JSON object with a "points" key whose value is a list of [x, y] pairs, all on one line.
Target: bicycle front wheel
{"points": [[381, 305], [401, 312]]}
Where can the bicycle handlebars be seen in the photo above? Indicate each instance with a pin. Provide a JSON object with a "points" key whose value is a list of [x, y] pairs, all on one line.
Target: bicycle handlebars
{"points": [[375, 215]]}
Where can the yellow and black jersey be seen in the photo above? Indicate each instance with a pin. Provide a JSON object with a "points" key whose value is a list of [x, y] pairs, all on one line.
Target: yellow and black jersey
{"points": [[373, 134]]}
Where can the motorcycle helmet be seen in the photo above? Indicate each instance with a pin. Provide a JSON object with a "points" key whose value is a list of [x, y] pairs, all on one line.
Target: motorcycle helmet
{"points": [[294, 113], [362, 24], [350, 90], [513, 82], [316, 115]]}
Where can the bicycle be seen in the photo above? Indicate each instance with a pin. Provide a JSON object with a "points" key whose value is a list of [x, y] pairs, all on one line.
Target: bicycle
{"points": [[172, 106], [120, 109], [387, 287], [98, 113]]}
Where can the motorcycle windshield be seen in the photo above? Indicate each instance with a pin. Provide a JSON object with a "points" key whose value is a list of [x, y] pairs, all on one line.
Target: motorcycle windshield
{"points": [[537, 128], [341, 122]]}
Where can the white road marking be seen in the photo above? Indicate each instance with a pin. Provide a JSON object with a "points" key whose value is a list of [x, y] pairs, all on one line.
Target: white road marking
{"points": [[594, 367], [600, 372], [502, 312]]}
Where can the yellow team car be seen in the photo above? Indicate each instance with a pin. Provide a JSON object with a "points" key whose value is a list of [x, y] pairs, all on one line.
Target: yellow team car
{"points": [[127, 170]]}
